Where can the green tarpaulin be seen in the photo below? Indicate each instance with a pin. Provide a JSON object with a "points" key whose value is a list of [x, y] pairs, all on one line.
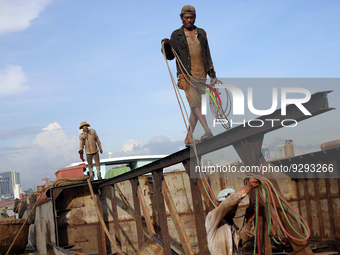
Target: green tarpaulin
{"points": [[116, 171]]}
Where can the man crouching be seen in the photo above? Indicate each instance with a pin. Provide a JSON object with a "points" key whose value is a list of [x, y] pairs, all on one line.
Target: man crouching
{"points": [[224, 237]]}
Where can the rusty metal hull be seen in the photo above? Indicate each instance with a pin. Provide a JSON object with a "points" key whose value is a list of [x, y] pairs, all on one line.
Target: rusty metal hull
{"points": [[8, 231], [69, 219]]}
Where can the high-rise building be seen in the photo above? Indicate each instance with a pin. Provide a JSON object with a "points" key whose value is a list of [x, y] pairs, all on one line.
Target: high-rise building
{"points": [[8, 180]]}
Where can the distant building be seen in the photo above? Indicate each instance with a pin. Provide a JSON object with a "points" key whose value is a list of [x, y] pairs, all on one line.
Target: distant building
{"points": [[265, 152], [17, 191], [46, 181], [206, 162], [8, 180], [280, 151]]}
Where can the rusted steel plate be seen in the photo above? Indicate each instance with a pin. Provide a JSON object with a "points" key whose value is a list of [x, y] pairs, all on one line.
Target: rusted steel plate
{"points": [[151, 248], [308, 209], [176, 219], [330, 207], [318, 205]]}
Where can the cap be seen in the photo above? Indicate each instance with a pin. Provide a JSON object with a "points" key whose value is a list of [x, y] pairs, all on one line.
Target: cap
{"points": [[224, 194], [84, 123], [188, 9]]}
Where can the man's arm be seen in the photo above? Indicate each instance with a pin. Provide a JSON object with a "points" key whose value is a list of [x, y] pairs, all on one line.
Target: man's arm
{"points": [[98, 142], [211, 70], [167, 47], [215, 216], [82, 143], [245, 233]]}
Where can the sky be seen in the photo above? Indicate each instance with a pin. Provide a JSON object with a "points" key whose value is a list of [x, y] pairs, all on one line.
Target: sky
{"points": [[64, 62]]}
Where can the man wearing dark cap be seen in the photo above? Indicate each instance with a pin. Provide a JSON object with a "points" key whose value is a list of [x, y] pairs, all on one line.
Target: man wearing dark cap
{"points": [[191, 45], [90, 140]]}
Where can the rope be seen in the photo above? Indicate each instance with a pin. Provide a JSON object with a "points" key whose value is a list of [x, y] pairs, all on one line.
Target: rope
{"points": [[205, 183], [94, 198], [298, 148], [272, 215]]}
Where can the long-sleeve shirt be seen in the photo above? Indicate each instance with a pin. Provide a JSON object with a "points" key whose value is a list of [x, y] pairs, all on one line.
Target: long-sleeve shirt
{"points": [[220, 238], [90, 141], [180, 45]]}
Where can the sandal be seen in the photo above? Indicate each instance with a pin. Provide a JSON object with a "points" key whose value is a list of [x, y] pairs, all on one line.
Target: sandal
{"points": [[207, 135], [190, 144]]}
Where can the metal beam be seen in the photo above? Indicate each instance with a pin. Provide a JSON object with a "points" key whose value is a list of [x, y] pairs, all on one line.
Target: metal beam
{"points": [[138, 216], [316, 105], [161, 211]]}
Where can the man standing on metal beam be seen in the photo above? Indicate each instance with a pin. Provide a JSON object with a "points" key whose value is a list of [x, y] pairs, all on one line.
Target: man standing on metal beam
{"points": [[90, 140], [191, 45], [224, 237]]}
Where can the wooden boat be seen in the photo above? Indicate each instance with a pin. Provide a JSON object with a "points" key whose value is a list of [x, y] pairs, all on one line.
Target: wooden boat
{"points": [[8, 230]]}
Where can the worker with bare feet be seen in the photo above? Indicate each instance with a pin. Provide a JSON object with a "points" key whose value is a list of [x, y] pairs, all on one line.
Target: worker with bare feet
{"points": [[191, 45]]}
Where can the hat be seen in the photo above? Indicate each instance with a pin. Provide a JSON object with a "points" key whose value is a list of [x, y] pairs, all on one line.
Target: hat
{"points": [[224, 194], [188, 9], [84, 123]]}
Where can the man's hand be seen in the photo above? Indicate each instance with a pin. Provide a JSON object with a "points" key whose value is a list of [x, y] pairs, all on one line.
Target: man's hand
{"points": [[250, 218], [212, 73], [81, 153], [252, 184], [101, 151], [250, 214], [166, 41]]}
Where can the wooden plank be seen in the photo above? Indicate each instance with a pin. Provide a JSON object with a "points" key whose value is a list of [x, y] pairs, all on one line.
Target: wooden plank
{"points": [[115, 215], [176, 220], [158, 177], [138, 216], [198, 211], [145, 212]]}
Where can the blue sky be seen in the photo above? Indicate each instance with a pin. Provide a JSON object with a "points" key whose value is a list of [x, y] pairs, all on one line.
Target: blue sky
{"points": [[64, 62]]}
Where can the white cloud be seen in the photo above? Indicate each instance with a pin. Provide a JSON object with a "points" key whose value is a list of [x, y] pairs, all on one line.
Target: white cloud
{"points": [[48, 151], [133, 147], [53, 141], [12, 81], [16, 15], [156, 146]]}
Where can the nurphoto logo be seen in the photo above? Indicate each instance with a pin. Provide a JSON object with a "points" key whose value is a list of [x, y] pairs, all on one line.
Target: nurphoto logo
{"points": [[239, 98]]}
